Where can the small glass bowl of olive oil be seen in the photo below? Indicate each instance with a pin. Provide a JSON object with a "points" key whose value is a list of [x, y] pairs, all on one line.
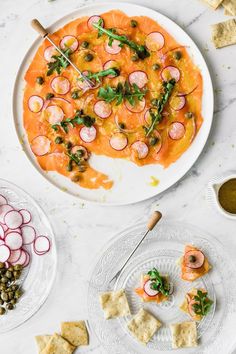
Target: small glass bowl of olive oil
{"points": [[222, 194]]}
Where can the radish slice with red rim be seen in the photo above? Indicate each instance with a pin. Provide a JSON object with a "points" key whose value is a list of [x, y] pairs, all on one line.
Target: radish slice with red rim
{"points": [[49, 53], [60, 85], [194, 259], [77, 148], [40, 145], [35, 103], [27, 260], [69, 42], [2, 232], [88, 134], [5, 208], [110, 64], [102, 109], [2, 242], [26, 215], [5, 228], [22, 258], [14, 241], [15, 256], [114, 48], [3, 200], [190, 308], [28, 234], [148, 290], [139, 78], [54, 114], [41, 244], [4, 253], [177, 102], [13, 230], [94, 19], [155, 41], [118, 141], [138, 107], [158, 145], [140, 148], [170, 72], [176, 131], [13, 219]]}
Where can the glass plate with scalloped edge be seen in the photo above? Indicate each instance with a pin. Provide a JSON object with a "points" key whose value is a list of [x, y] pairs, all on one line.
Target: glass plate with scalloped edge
{"points": [[162, 248], [37, 279]]}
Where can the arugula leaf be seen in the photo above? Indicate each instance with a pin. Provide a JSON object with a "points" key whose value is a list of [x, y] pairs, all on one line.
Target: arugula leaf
{"points": [[140, 50], [80, 118], [97, 75], [159, 105], [158, 282], [58, 63], [203, 303]]}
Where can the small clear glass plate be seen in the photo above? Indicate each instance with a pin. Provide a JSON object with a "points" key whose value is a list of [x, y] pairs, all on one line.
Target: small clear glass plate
{"points": [[37, 279], [162, 249]]}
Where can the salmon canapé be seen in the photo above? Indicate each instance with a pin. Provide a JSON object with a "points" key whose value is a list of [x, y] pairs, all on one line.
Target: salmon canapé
{"points": [[142, 103]]}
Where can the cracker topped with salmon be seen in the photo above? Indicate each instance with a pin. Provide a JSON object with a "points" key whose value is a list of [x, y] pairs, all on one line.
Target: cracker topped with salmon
{"points": [[194, 264], [144, 104], [197, 304]]}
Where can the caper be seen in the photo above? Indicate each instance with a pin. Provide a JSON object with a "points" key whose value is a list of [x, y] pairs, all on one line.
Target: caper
{"points": [[59, 140], [18, 267], [75, 95], [88, 57], [2, 310], [70, 166], [10, 306], [4, 296], [3, 286], [154, 101], [16, 274], [153, 140], [68, 145], [192, 259], [1, 302], [49, 96], [11, 269], [80, 112], [2, 265], [134, 57], [13, 301], [80, 153], [14, 287], [177, 55], [18, 294], [84, 44], [122, 125], [4, 279], [188, 115], [9, 274], [133, 23], [75, 178], [82, 168], [40, 80], [11, 295], [156, 66]]}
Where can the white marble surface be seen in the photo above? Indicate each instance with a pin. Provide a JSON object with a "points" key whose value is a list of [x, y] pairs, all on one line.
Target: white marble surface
{"points": [[82, 230]]}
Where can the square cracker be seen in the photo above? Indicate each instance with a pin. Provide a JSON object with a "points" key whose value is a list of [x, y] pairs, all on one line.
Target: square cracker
{"points": [[230, 7], [42, 342], [75, 332], [214, 3], [184, 335], [114, 304], [58, 345], [143, 326], [224, 33]]}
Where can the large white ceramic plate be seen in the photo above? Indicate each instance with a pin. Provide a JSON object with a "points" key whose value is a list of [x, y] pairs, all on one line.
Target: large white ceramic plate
{"points": [[37, 279], [131, 182], [161, 249]]}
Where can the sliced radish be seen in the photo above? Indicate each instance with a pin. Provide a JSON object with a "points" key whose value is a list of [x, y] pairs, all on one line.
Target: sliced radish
{"points": [[177, 102], [54, 114], [94, 19], [140, 148], [158, 145], [138, 107], [69, 42], [170, 72], [22, 259], [27, 260], [35, 103], [4, 253], [139, 78], [60, 85], [102, 109], [5, 208], [13, 219], [88, 134], [13, 230], [15, 256], [148, 290], [40, 145], [5, 228], [155, 41], [14, 241], [3, 200], [7, 265], [108, 65], [176, 130], [2, 242], [190, 308], [28, 234], [26, 215], [81, 148], [49, 53], [2, 232], [197, 258], [114, 48], [118, 141], [41, 244]]}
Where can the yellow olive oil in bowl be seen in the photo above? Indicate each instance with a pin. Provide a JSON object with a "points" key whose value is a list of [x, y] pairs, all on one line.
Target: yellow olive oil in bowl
{"points": [[227, 196]]}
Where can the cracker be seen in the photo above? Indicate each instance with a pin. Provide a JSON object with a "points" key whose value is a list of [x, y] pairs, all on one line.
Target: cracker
{"points": [[214, 3], [58, 345], [42, 342], [184, 335], [230, 7], [114, 304], [75, 332], [143, 326], [227, 13], [224, 33]]}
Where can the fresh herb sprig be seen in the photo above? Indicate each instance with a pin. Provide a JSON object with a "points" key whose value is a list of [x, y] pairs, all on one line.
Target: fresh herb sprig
{"points": [[121, 92], [59, 62], [155, 113], [203, 303], [80, 118], [140, 50], [158, 282], [96, 76]]}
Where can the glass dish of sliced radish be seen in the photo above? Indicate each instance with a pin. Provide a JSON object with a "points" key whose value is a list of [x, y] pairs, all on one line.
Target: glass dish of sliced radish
{"points": [[26, 239]]}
